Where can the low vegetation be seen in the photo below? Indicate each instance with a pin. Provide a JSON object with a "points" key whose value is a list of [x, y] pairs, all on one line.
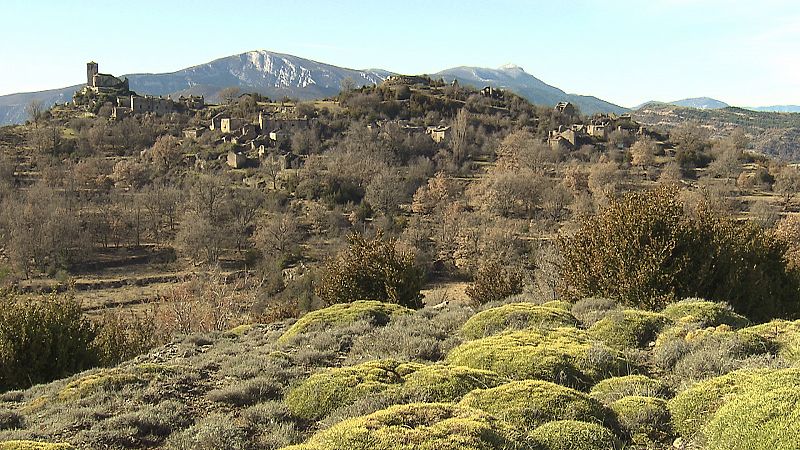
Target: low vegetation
{"points": [[385, 289]]}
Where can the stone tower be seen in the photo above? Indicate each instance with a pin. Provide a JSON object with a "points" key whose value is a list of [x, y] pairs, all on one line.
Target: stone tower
{"points": [[91, 71]]}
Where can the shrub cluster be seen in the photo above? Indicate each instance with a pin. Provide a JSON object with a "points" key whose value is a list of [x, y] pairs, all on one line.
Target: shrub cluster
{"points": [[515, 316], [371, 269], [647, 252], [42, 340], [566, 356]]}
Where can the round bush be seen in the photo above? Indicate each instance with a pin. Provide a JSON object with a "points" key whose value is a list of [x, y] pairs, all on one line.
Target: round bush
{"points": [[443, 383], [325, 392], [531, 403], [515, 316], [757, 419], [613, 389], [645, 419], [629, 328], [705, 313], [322, 393], [566, 356], [343, 314], [575, 435], [418, 426], [784, 334], [693, 408]]}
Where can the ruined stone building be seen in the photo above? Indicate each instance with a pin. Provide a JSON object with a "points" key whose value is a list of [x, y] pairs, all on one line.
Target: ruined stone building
{"points": [[192, 102], [565, 108], [490, 92], [439, 133], [102, 82]]}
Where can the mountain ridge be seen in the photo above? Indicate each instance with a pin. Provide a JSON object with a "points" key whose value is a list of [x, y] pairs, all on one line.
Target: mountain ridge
{"points": [[277, 74]]}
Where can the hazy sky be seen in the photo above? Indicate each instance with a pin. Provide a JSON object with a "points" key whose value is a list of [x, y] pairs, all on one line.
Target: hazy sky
{"points": [[745, 52]]}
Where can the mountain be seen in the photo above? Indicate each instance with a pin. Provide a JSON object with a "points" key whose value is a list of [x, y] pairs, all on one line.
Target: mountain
{"points": [[776, 108], [515, 79], [700, 103], [12, 107], [697, 103], [272, 74], [773, 133], [277, 75]]}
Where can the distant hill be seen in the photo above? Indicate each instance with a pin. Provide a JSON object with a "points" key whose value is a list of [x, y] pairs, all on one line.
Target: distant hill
{"points": [[515, 79], [698, 103], [277, 75], [776, 108], [701, 103], [272, 74], [773, 133]]}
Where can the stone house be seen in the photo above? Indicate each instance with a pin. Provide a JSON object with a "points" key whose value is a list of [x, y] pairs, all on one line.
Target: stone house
{"points": [[566, 138], [490, 92], [236, 159], [439, 133], [192, 102], [566, 108], [229, 125], [149, 104], [192, 132]]}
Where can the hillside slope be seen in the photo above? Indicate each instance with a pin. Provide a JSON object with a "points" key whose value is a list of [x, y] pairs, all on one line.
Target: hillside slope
{"points": [[515, 79]]}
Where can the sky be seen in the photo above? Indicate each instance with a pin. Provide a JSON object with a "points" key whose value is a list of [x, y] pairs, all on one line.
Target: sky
{"points": [[743, 52]]}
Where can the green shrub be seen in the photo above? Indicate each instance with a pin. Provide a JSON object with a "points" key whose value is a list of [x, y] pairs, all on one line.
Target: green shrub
{"points": [[558, 304], [566, 356], [493, 282], [705, 313], [646, 251], [443, 383], [693, 408], [43, 339], [629, 328], [613, 389], [515, 316], [785, 335], [324, 392], [371, 269], [31, 445], [757, 419], [575, 435], [646, 420], [339, 315], [122, 337], [592, 309], [418, 426], [531, 403]]}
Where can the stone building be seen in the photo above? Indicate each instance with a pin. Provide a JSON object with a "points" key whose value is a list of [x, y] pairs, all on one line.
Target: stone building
{"points": [[439, 133], [230, 124], [149, 104], [565, 108], [490, 92], [566, 138], [193, 132], [192, 102], [236, 159], [103, 82]]}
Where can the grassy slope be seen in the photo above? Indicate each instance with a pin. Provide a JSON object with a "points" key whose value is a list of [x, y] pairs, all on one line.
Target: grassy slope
{"points": [[228, 390]]}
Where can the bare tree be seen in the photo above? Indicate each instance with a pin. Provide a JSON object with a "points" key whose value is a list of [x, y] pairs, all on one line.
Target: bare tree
{"points": [[35, 112]]}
